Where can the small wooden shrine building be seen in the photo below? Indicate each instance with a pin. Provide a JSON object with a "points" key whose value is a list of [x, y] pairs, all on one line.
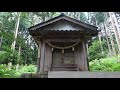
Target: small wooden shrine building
{"points": [[62, 44]]}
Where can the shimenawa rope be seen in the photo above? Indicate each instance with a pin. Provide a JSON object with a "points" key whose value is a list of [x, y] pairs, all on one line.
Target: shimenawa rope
{"points": [[53, 46]]}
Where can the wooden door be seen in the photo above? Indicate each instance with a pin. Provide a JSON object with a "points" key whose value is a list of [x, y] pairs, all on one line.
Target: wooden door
{"points": [[63, 61], [63, 58], [57, 56], [69, 57]]}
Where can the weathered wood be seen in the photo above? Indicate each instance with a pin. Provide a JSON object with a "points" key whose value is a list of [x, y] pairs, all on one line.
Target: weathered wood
{"points": [[49, 53], [79, 57], [48, 58], [42, 56], [85, 57], [38, 61], [63, 40], [64, 67], [57, 57], [82, 57]]}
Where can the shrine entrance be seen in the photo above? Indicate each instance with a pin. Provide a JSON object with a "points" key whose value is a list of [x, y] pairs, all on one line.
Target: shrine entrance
{"points": [[63, 59], [67, 57]]}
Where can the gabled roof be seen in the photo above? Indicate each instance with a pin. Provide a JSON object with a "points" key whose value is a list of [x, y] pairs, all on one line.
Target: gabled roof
{"points": [[64, 17]]}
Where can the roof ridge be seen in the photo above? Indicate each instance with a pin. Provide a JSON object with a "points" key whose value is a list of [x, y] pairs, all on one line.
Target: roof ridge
{"points": [[63, 16]]}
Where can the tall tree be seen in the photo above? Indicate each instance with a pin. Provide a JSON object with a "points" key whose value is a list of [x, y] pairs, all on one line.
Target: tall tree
{"points": [[106, 35], [16, 30], [116, 23], [97, 19], [107, 39], [115, 31], [111, 38]]}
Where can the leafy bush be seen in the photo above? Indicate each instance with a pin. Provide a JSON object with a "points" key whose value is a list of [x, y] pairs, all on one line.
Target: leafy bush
{"points": [[95, 50], [105, 64], [7, 55], [26, 69], [5, 72]]}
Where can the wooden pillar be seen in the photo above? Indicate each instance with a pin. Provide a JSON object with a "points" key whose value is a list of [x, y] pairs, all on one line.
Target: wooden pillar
{"points": [[86, 64], [48, 60], [42, 56], [79, 58], [39, 50]]}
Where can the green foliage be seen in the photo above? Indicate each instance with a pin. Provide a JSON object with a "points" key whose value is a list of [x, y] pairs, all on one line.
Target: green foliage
{"points": [[7, 55], [82, 17], [26, 69], [95, 50], [5, 72], [105, 64], [99, 17], [13, 73]]}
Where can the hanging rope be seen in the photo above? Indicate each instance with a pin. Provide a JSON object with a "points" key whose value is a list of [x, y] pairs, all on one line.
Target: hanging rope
{"points": [[53, 46]]}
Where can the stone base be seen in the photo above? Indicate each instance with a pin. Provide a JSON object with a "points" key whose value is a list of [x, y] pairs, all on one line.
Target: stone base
{"points": [[87, 74], [42, 74]]}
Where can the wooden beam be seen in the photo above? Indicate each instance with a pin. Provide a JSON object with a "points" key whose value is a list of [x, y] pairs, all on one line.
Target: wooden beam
{"points": [[62, 40]]}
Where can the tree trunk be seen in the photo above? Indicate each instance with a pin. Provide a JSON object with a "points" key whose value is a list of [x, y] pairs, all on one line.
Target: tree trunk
{"points": [[19, 53], [102, 52], [112, 43], [115, 32], [109, 48], [16, 31], [116, 23], [1, 42]]}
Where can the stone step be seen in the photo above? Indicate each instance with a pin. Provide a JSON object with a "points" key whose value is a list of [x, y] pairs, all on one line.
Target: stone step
{"points": [[82, 74], [64, 69], [64, 65]]}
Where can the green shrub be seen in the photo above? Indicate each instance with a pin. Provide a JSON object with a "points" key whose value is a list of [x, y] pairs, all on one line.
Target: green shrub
{"points": [[95, 50], [7, 55], [26, 69], [105, 64], [6, 73], [116, 67]]}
